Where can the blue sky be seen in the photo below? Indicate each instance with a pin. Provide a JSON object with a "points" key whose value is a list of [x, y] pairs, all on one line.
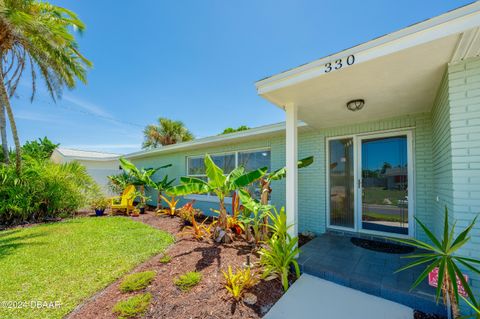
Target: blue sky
{"points": [[197, 61]]}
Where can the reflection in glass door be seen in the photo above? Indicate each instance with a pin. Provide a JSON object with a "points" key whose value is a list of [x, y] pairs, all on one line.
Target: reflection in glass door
{"points": [[384, 178], [341, 183]]}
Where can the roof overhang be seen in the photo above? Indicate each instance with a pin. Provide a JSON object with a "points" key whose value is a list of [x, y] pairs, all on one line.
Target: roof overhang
{"points": [[218, 140], [396, 74]]}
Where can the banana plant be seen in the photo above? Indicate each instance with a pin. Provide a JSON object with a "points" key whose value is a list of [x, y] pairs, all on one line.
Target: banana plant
{"points": [[277, 175], [256, 213], [140, 177], [441, 253], [220, 184]]}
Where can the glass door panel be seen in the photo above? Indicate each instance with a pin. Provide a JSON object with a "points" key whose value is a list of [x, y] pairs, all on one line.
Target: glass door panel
{"points": [[384, 172], [341, 183]]}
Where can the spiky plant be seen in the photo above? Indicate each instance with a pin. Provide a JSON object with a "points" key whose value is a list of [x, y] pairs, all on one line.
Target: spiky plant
{"points": [[441, 253]]}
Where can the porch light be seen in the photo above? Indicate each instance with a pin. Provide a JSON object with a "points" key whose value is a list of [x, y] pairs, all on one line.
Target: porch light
{"points": [[355, 105]]}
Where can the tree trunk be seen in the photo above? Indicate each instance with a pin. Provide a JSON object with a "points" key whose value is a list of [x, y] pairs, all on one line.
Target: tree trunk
{"points": [[3, 134], [264, 200], [449, 293], [13, 126]]}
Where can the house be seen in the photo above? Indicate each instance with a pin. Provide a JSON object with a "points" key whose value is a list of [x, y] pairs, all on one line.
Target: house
{"points": [[393, 124], [98, 164]]}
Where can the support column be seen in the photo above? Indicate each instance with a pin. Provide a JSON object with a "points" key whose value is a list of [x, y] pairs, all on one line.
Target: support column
{"points": [[291, 193]]}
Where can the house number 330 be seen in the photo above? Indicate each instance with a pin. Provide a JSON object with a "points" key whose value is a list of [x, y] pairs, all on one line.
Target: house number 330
{"points": [[338, 64]]}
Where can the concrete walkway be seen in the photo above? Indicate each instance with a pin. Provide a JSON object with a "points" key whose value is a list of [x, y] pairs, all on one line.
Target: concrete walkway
{"points": [[312, 297]]}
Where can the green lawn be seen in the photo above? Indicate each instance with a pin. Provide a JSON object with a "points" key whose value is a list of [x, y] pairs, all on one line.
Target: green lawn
{"points": [[70, 261]]}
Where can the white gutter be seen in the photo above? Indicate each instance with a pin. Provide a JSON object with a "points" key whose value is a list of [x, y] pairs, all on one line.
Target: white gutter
{"points": [[452, 22]]}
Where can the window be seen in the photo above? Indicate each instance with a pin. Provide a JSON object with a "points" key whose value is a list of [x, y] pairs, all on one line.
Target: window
{"points": [[250, 160]]}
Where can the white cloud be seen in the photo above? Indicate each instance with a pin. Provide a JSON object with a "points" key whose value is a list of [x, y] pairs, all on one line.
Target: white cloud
{"points": [[87, 106], [117, 148]]}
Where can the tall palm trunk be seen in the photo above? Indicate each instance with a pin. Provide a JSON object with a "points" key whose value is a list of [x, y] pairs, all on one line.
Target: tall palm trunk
{"points": [[4, 99], [3, 134]]}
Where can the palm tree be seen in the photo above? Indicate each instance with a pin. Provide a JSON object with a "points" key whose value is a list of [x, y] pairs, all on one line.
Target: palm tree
{"points": [[167, 132], [37, 36], [3, 134]]}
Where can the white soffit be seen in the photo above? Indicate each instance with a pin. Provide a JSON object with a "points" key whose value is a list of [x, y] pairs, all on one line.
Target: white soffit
{"points": [[398, 74]]}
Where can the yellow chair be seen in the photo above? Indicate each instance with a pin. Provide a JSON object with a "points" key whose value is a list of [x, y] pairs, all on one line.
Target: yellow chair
{"points": [[124, 202]]}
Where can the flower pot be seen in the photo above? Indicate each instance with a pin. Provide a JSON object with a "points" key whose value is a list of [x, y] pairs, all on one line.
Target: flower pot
{"points": [[99, 212]]}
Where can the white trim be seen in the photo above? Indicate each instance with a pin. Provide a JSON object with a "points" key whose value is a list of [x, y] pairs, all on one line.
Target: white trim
{"points": [[291, 159], [453, 22], [357, 139], [213, 198], [410, 187], [327, 161]]}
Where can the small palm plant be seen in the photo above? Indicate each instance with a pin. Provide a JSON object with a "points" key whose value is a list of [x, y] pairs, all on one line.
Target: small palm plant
{"points": [[441, 254], [254, 218], [280, 251]]}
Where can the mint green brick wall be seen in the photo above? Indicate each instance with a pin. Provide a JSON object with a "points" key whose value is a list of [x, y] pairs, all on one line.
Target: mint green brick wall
{"points": [[464, 99], [312, 180], [441, 156]]}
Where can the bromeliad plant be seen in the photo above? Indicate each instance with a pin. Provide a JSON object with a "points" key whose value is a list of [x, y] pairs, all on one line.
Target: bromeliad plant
{"points": [[441, 254], [277, 175], [221, 185], [280, 251], [253, 218], [198, 231], [172, 206], [239, 281]]}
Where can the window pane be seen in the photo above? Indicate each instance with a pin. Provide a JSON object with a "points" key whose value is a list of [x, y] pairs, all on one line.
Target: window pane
{"points": [[196, 166], [341, 183], [254, 160], [226, 162]]}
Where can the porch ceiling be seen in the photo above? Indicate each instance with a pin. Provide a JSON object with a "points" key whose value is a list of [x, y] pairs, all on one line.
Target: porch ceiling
{"points": [[397, 74]]}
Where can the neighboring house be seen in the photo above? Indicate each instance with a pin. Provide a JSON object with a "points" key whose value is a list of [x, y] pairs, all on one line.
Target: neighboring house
{"points": [[410, 99], [99, 164]]}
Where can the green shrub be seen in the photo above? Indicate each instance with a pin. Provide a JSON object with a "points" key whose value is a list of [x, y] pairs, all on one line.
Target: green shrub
{"points": [[187, 281], [43, 190], [133, 306], [165, 259], [280, 250], [137, 281]]}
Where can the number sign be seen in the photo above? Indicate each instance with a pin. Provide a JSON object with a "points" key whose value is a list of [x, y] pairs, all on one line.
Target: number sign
{"points": [[339, 63]]}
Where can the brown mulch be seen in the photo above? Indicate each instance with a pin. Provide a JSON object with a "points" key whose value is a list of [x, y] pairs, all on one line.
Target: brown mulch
{"points": [[209, 299]]}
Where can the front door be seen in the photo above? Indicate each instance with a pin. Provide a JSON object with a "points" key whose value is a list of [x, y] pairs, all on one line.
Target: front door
{"points": [[370, 183]]}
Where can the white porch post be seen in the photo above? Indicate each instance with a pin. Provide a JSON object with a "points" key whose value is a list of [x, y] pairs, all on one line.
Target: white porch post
{"points": [[291, 199]]}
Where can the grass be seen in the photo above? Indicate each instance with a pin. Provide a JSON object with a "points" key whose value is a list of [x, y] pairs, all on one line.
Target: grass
{"points": [[70, 261], [133, 306], [186, 281], [137, 281], [165, 259], [376, 195], [383, 217]]}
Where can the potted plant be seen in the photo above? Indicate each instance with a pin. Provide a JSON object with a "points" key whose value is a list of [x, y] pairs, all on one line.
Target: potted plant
{"points": [[142, 201], [99, 204]]}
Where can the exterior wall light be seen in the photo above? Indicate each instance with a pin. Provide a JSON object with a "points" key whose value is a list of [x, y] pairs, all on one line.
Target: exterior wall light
{"points": [[355, 105]]}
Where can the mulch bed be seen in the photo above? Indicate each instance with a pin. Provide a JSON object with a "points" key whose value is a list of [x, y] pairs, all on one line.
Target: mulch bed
{"points": [[209, 299]]}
